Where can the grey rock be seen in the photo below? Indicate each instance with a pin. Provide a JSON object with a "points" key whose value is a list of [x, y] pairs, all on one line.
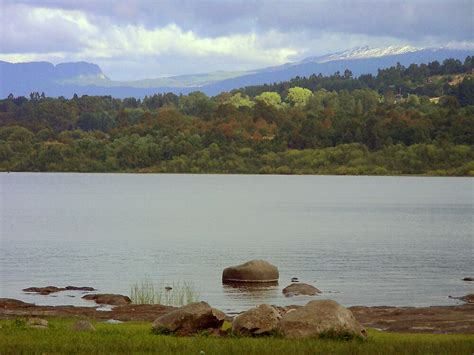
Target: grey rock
{"points": [[259, 320], [254, 271], [300, 289], [189, 319], [318, 318]]}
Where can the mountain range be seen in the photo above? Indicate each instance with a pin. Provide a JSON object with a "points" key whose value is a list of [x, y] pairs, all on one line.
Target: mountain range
{"points": [[82, 78]]}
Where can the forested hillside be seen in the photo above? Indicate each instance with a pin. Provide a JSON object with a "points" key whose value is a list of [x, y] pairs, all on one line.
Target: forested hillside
{"points": [[404, 120]]}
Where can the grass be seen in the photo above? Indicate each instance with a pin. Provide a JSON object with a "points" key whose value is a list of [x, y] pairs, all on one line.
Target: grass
{"points": [[136, 337], [147, 292]]}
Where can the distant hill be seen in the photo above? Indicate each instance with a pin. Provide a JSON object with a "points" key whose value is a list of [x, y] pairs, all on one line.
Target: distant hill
{"points": [[85, 78]]}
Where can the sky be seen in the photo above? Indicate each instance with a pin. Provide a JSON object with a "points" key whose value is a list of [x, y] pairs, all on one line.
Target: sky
{"points": [[137, 39]]}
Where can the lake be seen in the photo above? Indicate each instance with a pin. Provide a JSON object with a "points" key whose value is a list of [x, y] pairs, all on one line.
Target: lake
{"points": [[400, 241]]}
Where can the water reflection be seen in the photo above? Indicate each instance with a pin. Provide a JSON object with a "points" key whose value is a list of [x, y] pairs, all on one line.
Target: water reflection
{"points": [[251, 293]]}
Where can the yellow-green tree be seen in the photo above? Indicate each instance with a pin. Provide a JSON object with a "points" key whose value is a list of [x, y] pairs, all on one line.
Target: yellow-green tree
{"points": [[298, 96]]}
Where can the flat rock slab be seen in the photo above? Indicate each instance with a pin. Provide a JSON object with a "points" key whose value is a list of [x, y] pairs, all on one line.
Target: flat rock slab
{"points": [[438, 319], [52, 289], [142, 312], [12, 303]]}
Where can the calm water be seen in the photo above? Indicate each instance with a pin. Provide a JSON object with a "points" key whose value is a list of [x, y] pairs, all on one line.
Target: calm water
{"points": [[362, 240]]}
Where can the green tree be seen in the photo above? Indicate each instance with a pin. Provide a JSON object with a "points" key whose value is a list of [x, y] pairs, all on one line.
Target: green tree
{"points": [[298, 96], [270, 99]]}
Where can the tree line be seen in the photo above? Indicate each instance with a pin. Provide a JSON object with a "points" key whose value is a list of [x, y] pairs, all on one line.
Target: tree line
{"points": [[405, 120]]}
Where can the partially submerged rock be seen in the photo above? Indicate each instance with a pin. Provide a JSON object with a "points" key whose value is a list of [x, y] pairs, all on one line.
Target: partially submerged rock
{"points": [[83, 326], [189, 319], [320, 318], [468, 298], [79, 288], [254, 271], [259, 320], [37, 323], [108, 298], [300, 289], [52, 289]]}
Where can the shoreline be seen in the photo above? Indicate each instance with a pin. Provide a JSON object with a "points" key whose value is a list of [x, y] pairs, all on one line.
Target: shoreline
{"points": [[456, 319], [132, 172]]}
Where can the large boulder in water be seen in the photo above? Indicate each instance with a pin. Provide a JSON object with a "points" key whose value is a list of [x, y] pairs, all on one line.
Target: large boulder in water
{"points": [[259, 320], [319, 318], [300, 289], [254, 271], [189, 319], [107, 298]]}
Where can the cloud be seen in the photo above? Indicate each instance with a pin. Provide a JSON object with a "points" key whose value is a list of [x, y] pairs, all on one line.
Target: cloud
{"points": [[72, 34], [40, 30], [405, 19], [135, 39]]}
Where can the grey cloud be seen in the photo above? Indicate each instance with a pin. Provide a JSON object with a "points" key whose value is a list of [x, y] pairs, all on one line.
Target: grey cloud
{"points": [[409, 20], [19, 35]]}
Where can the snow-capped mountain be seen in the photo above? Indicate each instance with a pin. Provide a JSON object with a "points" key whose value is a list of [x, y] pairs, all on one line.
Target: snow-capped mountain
{"points": [[362, 52]]}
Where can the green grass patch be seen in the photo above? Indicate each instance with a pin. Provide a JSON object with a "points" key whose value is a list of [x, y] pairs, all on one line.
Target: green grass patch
{"points": [[170, 294], [137, 337]]}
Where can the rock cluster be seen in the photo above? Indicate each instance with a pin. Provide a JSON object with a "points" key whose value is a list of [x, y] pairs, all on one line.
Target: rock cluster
{"points": [[52, 289], [317, 318]]}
